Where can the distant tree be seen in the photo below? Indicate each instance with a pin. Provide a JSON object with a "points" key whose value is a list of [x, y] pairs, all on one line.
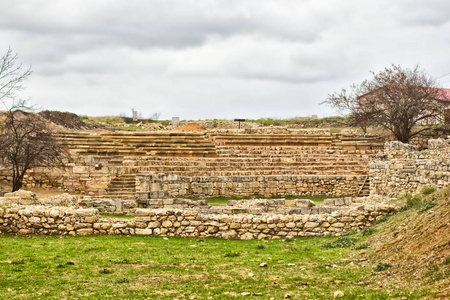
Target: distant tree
{"points": [[25, 139], [155, 116], [396, 98]]}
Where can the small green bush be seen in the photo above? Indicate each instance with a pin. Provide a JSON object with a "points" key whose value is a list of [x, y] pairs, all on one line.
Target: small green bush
{"points": [[446, 260], [368, 231], [381, 219], [428, 190], [362, 246], [122, 280], [105, 271], [382, 267], [341, 242], [348, 233], [427, 206], [232, 254], [415, 202]]}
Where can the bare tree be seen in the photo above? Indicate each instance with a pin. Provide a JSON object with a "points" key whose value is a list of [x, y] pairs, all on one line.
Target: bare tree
{"points": [[12, 76], [155, 116], [26, 142], [25, 139], [397, 99]]}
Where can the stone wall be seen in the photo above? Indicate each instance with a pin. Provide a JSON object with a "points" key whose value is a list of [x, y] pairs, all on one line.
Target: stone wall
{"points": [[88, 174], [154, 186], [44, 220], [402, 169]]}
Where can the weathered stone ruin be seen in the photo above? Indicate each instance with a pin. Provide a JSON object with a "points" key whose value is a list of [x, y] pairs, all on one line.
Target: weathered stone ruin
{"points": [[402, 169], [148, 165], [150, 175], [258, 219]]}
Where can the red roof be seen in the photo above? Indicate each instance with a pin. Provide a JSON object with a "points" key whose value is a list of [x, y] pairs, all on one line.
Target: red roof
{"points": [[444, 95]]}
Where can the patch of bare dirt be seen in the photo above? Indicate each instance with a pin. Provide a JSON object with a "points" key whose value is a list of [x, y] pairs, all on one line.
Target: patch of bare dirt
{"points": [[191, 127], [418, 247]]}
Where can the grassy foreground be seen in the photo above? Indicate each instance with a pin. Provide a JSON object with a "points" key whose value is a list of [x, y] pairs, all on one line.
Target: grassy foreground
{"points": [[145, 267]]}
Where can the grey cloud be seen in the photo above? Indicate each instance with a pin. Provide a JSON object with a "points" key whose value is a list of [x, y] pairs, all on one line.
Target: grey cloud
{"points": [[430, 13], [163, 23], [211, 58]]}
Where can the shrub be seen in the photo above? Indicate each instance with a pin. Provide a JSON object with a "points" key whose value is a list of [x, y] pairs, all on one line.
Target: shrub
{"points": [[350, 232], [428, 190], [362, 246], [446, 260], [412, 202], [368, 231], [232, 254], [342, 242], [122, 280], [381, 219], [427, 206], [382, 267]]}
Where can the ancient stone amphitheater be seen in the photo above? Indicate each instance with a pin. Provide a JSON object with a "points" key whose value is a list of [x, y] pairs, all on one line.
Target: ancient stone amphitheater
{"points": [[166, 164]]}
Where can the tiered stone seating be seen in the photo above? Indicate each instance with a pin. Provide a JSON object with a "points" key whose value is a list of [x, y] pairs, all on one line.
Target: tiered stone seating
{"points": [[227, 166], [210, 154], [272, 140], [138, 144]]}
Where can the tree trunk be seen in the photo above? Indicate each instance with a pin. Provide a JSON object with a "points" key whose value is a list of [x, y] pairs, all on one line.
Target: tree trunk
{"points": [[17, 183]]}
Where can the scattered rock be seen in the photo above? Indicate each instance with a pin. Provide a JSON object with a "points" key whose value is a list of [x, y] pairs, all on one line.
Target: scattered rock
{"points": [[338, 294], [263, 265]]}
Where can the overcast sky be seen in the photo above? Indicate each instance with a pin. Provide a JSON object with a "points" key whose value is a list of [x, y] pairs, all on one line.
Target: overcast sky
{"points": [[208, 59]]}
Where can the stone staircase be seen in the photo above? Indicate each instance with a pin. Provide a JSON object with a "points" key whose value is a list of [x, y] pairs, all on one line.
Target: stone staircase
{"points": [[122, 187]]}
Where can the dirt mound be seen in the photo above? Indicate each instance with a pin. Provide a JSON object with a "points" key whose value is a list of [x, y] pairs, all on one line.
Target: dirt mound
{"points": [[65, 119], [191, 127], [415, 245]]}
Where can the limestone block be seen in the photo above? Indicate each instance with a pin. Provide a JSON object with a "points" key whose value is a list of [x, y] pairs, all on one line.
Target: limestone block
{"points": [[80, 170], [85, 231], [34, 220], [311, 225], [231, 234], [246, 236], [154, 224], [25, 231], [235, 225], [189, 229], [346, 219], [166, 224], [146, 231]]}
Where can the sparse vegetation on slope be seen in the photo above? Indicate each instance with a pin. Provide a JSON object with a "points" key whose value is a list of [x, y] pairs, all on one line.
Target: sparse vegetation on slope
{"points": [[415, 243]]}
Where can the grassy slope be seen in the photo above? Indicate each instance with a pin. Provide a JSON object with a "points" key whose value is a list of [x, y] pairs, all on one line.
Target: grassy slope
{"points": [[416, 243]]}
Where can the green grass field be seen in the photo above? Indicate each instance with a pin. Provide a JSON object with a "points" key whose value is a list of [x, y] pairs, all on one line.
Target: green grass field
{"points": [[146, 267]]}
